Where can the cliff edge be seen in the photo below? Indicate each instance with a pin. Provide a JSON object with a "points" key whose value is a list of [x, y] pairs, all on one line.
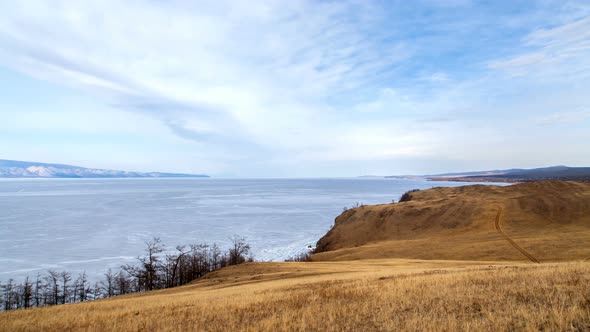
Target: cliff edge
{"points": [[533, 221]]}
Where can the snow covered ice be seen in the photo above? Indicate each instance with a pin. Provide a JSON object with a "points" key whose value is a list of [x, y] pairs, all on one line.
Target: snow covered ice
{"points": [[96, 224]]}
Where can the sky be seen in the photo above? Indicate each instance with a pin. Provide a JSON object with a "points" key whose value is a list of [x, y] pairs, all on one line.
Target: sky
{"points": [[297, 88]]}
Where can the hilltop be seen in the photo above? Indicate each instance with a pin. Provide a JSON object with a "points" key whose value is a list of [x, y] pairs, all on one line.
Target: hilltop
{"points": [[534, 221], [27, 169]]}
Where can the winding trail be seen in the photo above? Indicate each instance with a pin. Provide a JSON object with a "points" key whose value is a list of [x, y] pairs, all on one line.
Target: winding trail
{"points": [[501, 231]]}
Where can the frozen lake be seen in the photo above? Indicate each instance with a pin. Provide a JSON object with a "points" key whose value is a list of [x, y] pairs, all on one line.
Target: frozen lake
{"points": [[94, 224]]}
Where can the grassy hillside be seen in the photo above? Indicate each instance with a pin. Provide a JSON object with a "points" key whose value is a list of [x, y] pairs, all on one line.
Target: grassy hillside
{"points": [[365, 295], [536, 221], [449, 259]]}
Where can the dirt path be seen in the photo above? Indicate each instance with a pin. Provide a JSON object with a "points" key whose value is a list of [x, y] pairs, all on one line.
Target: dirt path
{"points": [[501, 231]]}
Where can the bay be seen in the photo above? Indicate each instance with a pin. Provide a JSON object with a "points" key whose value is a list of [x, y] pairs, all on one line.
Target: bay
{"points": [[95, 224]]}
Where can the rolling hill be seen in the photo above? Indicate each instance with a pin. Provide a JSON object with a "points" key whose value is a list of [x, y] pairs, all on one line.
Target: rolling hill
{"points": [[535, 221], [366, 295]]}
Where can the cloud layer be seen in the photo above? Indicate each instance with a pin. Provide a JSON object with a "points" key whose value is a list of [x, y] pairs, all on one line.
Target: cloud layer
{"points": [[297, 88]]}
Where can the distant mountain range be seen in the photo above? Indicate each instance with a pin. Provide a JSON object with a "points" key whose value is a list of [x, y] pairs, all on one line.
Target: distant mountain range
{"points": [[25, 169], [564, 173]]}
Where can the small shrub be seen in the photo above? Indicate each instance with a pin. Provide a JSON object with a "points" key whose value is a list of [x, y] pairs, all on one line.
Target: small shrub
{"points": [[407, 196]]}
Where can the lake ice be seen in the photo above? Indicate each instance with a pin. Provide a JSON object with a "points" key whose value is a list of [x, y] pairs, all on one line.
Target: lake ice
{"points": [[96, 224]]}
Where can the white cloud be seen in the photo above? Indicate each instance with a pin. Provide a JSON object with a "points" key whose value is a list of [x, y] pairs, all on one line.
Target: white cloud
{"points": [[565, 117], [254, 70], [239, 82], [557, 51]]}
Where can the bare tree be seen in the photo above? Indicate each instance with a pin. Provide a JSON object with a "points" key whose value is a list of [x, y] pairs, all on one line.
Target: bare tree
{"points": [[215, 257], [65, 278], [82, 288], [9, 298], [136, 274], [151, 262], [38, 291], [123, 284], [239, 250], [27, 292], [107, 285], [154, 271], [6, 294], [95, 291], [52, 279], [200, 260], [182, 252]]}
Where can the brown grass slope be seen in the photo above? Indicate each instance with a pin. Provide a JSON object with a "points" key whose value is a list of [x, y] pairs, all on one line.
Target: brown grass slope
{"points": [[368, 295], [535, 221]]}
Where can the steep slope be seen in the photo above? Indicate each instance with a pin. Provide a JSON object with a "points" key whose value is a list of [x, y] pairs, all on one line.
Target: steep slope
{"points": [[536, 221]]}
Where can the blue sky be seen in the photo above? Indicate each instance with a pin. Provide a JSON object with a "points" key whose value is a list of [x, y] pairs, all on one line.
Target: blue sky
{"points": [[296, 88]]}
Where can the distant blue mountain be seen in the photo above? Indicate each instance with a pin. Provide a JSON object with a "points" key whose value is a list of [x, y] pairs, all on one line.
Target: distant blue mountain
{"points": [[26, 169], [563, 173], [550, 169], [560, 172]]}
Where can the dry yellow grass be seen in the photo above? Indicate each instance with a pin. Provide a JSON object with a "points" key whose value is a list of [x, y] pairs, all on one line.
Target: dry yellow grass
{"points": [[549, 220], [343, 296]]}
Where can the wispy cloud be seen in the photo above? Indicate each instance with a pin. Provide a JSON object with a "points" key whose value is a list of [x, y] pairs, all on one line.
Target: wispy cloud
{"points": [[244, 62], [566, 117], [307, 81], [554, 51]]}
